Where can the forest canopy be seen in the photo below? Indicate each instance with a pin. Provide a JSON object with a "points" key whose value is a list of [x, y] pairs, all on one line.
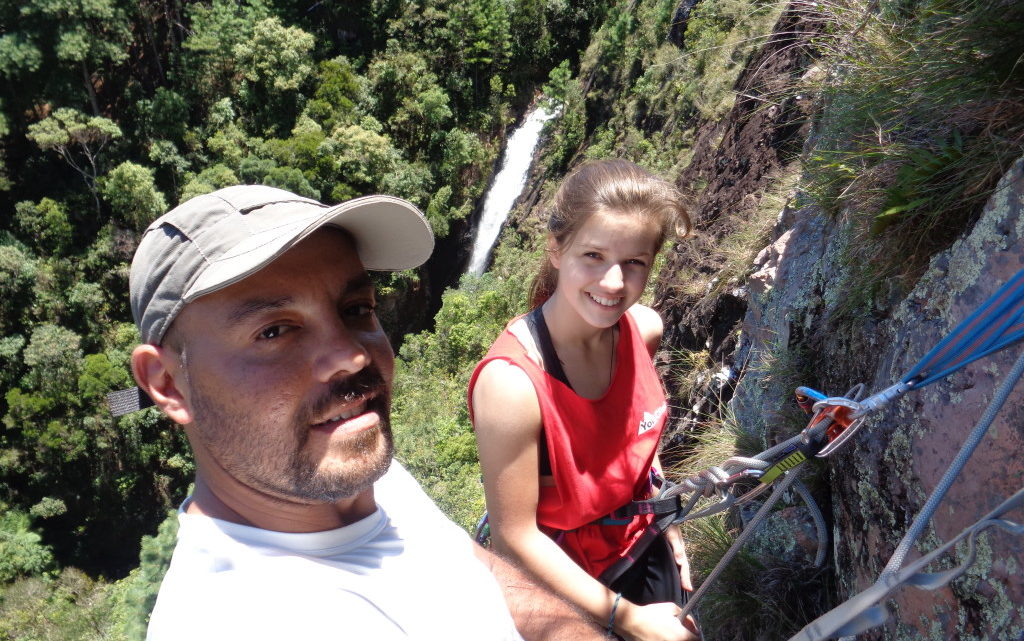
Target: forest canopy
{"points": [[113, 111]]}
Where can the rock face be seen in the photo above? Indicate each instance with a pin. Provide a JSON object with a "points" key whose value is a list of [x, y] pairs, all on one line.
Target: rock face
{"points": [[737, 159], [882, 478]]}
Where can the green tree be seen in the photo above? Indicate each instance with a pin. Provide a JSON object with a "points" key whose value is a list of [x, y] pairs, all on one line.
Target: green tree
{"points": [[17, 275], [410, 101], [168, 115], [44, 225], [70, 606], [54, 358], [337, 94], [79, 139], [291, 179], [90, 37], [19, 55], [559, 84], [22, 552], [10, 360], [433, 435], [364, 158], [275, 57], [463, 155], [253, 169], [144, 584], [165, 154], [482, 26], [274, 64], [208, 64], [209, 179], [132, 195]]}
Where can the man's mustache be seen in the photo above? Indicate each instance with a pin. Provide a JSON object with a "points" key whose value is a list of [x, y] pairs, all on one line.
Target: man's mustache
{"points": [[367, 381]]}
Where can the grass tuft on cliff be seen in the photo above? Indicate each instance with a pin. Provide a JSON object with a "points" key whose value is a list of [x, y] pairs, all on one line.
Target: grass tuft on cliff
{"points": [[923, 111]]}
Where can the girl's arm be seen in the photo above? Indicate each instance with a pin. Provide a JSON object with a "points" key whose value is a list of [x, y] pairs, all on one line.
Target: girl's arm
{"points": [[508, 423], [675, 540]]}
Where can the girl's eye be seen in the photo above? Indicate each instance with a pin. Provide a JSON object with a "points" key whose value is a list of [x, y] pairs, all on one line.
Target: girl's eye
{"points": [[637, 261], [593, 255]]}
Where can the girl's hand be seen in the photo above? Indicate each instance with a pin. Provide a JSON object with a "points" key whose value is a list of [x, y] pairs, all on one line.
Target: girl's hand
{"points": [[675, 540], [654, 622]]}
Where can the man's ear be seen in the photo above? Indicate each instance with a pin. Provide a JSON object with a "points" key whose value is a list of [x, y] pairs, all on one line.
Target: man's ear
{"points": [[159, 374], [553, 251]]}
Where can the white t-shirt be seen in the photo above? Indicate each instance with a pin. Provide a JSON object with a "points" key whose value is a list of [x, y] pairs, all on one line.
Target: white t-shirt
{"points": [[404, 572]]}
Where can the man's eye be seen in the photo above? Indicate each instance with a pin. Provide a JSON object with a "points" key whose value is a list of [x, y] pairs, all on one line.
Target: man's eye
{"points": [[273, 331], [360, 310]]}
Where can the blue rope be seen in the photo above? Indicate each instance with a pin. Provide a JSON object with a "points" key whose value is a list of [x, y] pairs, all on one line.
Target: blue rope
{"points": [[997, 323]]}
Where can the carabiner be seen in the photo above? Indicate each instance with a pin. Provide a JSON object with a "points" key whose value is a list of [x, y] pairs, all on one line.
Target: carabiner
{"points": [[846, 418], [742, 475], [807, 397]]}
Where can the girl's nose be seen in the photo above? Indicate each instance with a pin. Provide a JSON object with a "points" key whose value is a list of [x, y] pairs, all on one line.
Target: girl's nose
{"points": [[612, 279]]}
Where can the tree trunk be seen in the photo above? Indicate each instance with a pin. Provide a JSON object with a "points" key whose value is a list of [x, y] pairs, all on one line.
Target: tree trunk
{"points": [[87, 79]]}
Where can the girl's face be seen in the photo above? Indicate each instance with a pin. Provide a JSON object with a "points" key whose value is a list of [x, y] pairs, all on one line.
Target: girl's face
{"points": [[603, 270]]}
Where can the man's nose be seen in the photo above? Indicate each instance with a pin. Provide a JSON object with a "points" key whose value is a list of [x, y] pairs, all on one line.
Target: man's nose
{"points": [[612, 279], [342, 351]]}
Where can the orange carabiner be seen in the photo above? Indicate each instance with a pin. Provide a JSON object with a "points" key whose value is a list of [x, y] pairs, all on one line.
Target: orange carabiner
{"points": [[844, 419]]}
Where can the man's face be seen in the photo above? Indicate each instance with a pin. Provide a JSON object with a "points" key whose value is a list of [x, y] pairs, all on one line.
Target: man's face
{"points": [[288, 375]]}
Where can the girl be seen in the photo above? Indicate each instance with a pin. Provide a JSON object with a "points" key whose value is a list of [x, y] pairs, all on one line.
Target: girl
{"points": [[568, 409]]}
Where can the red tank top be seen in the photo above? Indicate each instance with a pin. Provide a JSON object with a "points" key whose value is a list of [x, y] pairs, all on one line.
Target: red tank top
{"points": [[601, 449]]}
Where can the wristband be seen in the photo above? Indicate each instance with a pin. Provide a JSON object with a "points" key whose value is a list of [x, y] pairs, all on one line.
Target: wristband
{"points": [[611, 619]]}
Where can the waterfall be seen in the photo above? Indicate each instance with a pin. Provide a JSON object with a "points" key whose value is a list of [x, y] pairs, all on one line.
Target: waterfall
{"points": [[507, 185]]}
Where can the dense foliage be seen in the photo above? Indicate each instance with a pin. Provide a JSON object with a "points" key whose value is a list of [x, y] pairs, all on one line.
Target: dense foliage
{"points": [[113, 111]]}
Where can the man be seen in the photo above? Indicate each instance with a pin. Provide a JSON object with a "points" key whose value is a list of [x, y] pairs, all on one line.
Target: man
{"points": [[259, 337]]}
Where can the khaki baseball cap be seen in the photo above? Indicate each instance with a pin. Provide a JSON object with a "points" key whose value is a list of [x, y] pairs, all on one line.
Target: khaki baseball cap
{"points": [[220, 238]]}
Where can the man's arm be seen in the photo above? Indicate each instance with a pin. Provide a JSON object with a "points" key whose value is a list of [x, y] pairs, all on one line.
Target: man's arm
{"points": [[539, 613]]}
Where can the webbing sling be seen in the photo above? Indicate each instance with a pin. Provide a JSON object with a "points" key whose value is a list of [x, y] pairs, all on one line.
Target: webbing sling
{"points": [[664, 506]]}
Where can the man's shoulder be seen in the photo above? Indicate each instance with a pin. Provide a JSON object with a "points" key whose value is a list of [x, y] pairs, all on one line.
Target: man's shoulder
{"points": [[411, 510]]}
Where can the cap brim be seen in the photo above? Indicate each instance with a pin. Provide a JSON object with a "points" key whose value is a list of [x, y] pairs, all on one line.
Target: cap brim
{"points": [[390, 234]]}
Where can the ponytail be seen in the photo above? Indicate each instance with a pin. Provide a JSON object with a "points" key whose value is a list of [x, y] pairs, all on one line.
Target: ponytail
{"points": [[544, 282]]}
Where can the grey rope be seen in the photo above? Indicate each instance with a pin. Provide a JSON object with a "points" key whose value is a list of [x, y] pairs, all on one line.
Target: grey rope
{"points": [[777, 492], [705, 483], [863, 611], [819, 521], [975, 437]]}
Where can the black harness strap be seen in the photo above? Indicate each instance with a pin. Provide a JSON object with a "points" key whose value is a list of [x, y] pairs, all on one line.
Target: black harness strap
{"points": [[658, 507], [549, 359], [542, 337]]}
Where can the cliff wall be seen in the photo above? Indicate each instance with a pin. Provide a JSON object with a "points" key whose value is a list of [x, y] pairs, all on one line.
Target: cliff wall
{"points": [[882, 478]]}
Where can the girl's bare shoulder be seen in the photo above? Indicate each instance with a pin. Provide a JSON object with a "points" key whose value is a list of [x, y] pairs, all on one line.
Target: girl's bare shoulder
{"points": [[649, 324]]}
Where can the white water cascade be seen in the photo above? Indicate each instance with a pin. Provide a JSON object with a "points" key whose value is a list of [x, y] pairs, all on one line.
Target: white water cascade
{"points": [[507, 185]]}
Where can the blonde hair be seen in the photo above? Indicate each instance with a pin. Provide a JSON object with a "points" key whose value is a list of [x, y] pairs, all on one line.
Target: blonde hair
{"points": [[616, 187]]}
